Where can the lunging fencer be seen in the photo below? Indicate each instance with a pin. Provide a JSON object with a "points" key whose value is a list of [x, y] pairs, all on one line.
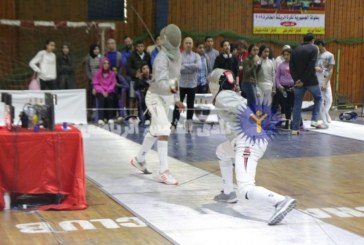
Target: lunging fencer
{"points": [[162, 93], [241, 149]]}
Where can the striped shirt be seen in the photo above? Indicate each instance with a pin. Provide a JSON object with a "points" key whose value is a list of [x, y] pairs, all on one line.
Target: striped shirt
{"points": [[189, 69]]}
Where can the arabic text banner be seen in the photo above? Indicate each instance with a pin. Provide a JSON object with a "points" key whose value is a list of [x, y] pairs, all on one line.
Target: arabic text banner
{"points": [[266, 23]]}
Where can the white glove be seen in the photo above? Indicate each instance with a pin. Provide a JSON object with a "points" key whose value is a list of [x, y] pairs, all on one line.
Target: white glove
{"points": [[173, 84]]}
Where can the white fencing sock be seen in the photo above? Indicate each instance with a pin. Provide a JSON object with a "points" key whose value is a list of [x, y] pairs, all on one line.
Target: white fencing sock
{"points": [[263, 194], [148, 142], [163, 155], [226, 168]]}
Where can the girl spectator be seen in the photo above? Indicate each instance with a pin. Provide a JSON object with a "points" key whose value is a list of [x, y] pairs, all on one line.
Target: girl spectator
{"points": [[251, 67], [141, 86], [104, 83], [66, 69], [92, 65], [285, 83], [44, 64], [266, 77]]}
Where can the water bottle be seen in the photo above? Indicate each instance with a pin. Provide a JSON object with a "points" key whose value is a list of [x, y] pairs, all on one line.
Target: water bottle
{"points": [[30, 112], [7, 201], [284, 94]]}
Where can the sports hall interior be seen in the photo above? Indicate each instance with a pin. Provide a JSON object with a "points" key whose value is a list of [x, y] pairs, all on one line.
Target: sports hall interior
{"points": [[321, 169]]}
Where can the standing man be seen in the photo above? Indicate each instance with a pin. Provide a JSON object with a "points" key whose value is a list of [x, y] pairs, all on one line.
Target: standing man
{"points": [[161, 94], [226, 60], [135, 61], [125, 84], [187, 87], [114, 58], [324, 70], [302, 67], [202, 84], [210, 52]]}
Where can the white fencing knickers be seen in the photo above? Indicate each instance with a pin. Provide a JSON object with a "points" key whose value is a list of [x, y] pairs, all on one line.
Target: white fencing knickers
{"points": [[245, 155], [158, 106]]}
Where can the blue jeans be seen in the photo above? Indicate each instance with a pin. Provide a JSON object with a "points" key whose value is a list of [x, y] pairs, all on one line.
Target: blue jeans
{"points": [[298, 99]]}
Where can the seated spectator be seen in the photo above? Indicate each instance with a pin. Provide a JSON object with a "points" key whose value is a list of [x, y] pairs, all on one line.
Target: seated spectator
{"points": [[104, 83]]}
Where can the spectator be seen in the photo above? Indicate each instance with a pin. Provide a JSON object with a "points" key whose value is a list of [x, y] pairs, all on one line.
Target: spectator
{"points": [[136, 59], [92, 65], [324, 70], [241, 55], [115, 59], [141, 86], [150, 48], [210, 52], [277, 97], [280, 58], [156, 50], [251, 67], [104, 83], [127, 50], [202, 84], [285, 83], [266, 77], [226, 60], [302, 67], [66, 69], [188, 83], [44, 64]]}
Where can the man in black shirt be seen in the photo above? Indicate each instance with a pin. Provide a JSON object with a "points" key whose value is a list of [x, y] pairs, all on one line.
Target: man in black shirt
{"points": [[302, 68], [226, 60]]}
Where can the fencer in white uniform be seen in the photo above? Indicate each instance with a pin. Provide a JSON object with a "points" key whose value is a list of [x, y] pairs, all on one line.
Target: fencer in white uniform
{"points": [[241, 150], [162, 93]]}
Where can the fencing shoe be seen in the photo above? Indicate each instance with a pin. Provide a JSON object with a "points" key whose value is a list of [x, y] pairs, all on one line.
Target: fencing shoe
{"points": [[282, 209], [229, 198], [140, 165], [167, 178]]}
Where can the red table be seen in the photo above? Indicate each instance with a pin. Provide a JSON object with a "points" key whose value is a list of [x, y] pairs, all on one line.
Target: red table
{"points": [[46, 162]]}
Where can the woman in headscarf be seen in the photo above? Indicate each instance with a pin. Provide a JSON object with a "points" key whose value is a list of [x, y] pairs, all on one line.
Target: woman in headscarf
{"points": [[104, 83], [92, 65]]}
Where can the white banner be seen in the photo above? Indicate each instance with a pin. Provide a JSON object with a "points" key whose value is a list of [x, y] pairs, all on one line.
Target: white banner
{"points": [[289, 23], [288, 17], [70, 107]]}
